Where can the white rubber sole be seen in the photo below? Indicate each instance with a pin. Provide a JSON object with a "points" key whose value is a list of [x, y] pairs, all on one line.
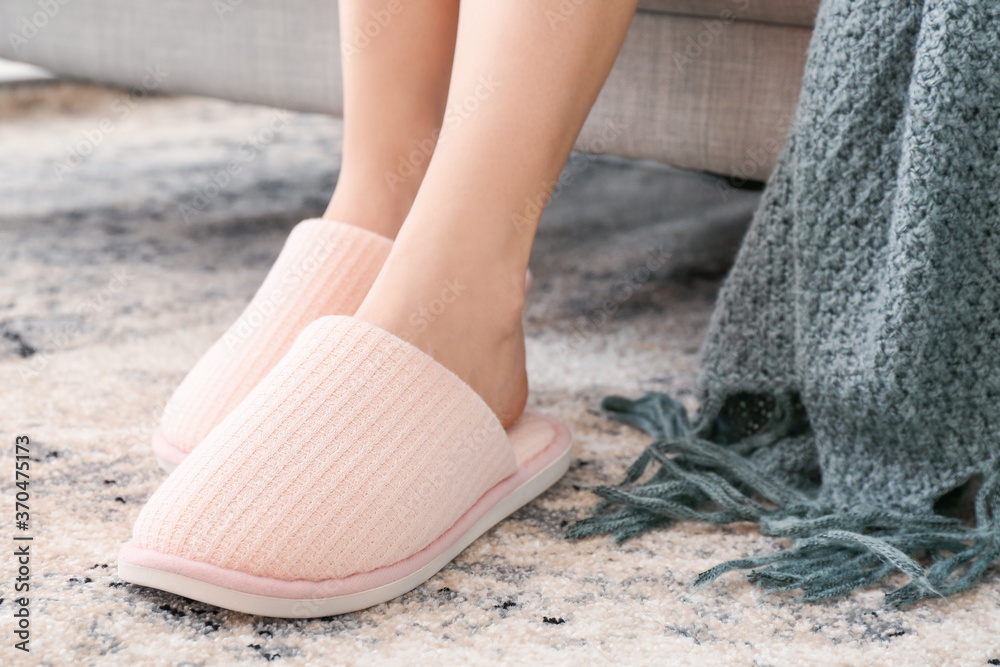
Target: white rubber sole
{"points": [[317, 607]]}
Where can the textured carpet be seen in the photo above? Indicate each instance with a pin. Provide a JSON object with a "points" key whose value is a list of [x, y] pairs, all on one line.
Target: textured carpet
{"points": [[111, 290]]}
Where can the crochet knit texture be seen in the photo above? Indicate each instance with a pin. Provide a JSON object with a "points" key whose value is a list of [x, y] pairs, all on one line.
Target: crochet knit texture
{"points": [[851, 375]]}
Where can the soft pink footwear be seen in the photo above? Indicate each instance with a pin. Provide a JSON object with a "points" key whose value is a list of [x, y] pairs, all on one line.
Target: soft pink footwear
{"points": [[356, 469], [325, 268]]}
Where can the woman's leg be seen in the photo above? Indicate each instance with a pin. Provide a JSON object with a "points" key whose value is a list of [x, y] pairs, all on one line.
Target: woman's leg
{"points": [[397, 58], [394, 103], [526, 74]]}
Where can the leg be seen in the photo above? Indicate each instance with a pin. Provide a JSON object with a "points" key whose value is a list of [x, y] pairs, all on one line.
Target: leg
{"points": [[394, 104], [524, 79], [356, 473]]}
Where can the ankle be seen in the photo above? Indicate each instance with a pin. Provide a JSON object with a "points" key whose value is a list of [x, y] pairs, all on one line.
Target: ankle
{"points": [[365, 206], [463, 311]]}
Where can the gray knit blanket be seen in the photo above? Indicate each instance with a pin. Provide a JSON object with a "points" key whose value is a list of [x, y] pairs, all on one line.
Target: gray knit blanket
{"points": [[850, 379]]}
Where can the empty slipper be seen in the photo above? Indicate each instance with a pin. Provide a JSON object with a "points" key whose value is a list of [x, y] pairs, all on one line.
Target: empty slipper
{"points": [[324, 268], [352, 473]]}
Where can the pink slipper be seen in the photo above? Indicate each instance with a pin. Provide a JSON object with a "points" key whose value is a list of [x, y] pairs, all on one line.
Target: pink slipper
{"points": [[325, 268], [356, 470]]}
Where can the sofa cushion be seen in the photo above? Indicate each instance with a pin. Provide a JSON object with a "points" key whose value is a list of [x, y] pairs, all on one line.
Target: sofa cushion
{"points": [[788, 12], [681, 92], [722, 104]]}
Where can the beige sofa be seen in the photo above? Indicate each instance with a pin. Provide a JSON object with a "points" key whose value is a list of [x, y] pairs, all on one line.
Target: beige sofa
{"points": [[700, 84]]}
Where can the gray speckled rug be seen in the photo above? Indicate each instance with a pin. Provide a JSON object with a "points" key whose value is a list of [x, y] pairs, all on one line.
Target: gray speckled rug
{"points": [[111, 291]]}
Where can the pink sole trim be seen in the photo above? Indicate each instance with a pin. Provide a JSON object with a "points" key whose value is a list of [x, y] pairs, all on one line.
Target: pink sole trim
{"points": [[166, 452], [361, 582]]}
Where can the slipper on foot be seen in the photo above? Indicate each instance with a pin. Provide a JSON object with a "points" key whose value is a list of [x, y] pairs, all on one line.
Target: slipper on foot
{"points": [[325, 268], [351, 474]]}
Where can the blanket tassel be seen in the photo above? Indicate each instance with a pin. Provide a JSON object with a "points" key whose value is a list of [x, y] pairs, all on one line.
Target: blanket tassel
{"points": [[832, 554]]}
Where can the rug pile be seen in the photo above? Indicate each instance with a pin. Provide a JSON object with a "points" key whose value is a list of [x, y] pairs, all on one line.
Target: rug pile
{"points": [[123, 258]]}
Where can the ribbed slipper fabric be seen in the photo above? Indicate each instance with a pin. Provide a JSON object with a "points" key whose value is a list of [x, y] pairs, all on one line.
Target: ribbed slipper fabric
{"points": [[351, 474], [325, 268]]}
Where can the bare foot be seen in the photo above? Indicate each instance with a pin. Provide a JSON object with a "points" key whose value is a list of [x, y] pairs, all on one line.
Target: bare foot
{"points": [[464, 311]]}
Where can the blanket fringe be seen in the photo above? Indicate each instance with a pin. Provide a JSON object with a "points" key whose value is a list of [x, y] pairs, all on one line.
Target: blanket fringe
{"points": [[832, 554]]}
